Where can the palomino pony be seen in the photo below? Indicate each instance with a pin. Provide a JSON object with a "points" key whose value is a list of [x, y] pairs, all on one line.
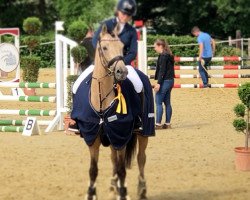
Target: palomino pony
{"points": [[105, 115]]}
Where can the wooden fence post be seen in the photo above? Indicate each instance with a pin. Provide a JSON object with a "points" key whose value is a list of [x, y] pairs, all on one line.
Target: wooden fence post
{"points": [[238, 37]]}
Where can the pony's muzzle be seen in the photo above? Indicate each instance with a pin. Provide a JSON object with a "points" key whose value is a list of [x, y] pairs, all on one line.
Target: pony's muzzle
{"points": [[121, 73]]}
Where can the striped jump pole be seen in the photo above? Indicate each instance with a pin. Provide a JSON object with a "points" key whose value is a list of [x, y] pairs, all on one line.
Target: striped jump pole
{"points": [[210, 76], [11, 128], [28, 112], [27, 85], [225, 58], [192, 59], [10, 122], [223, 67], [226, 85], [28, 98]]}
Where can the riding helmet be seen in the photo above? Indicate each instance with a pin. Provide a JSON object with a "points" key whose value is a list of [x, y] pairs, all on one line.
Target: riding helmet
{"points": [[127, 6]]}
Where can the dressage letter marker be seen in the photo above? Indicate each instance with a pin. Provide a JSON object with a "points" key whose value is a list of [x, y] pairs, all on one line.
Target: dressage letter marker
{"points": [[31, 127]]}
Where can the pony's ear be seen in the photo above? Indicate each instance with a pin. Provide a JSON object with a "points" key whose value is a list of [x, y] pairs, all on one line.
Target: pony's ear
{"points": [[104, 29], [117, 29]]}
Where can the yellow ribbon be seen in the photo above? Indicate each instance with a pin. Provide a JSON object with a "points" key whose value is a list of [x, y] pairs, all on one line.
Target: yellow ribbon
{"points": [[122, 106]]}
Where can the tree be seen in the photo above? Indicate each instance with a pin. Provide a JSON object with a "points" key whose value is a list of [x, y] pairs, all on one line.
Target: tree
{"points": [[90, 11], [14, 12], [234, 15], [220, 18]]}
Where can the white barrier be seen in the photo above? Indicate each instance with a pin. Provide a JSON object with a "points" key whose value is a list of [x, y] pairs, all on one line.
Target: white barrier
{"points": [[63, 44]]}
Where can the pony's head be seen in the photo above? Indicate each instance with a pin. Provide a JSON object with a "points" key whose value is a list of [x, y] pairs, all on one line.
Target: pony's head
{"points": [[110, 50]]}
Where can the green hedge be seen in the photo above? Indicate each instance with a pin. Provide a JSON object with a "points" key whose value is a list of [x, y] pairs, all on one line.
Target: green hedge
{"points": [[46, 52], [189, 51]]}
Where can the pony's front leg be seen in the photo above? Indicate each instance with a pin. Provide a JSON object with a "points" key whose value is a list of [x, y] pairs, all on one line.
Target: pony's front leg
{"points": [[114, 178], [93, 170], [121, 172], [141, 160]]}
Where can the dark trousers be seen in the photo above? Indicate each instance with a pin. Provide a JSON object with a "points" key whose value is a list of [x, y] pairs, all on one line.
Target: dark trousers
{"points": [[203, 72]]}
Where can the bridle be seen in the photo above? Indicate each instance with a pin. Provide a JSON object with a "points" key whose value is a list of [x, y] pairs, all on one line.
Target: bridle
{"points": [[107, 64]]}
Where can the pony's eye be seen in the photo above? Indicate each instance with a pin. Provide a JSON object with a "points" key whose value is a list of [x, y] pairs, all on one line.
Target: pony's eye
{"points": [[105, 48]]}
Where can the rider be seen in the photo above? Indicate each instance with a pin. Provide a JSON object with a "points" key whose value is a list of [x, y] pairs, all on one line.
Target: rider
{"points": [[124, 11]]}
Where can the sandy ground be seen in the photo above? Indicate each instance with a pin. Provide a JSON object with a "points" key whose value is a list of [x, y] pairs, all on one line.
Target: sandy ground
{"points": [[192, 161]]}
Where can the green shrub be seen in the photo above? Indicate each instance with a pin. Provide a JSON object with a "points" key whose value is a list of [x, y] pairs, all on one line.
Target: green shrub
{"points": [[32, 42], [70, 81], [78, 53], [239, 110], [46, 52], [32, 25], [240, 125], [77, 30], [244, 94], [30, 65]]}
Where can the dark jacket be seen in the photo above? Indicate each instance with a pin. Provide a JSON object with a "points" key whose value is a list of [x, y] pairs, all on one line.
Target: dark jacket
{"points": [[128, 37], [164, 67]]}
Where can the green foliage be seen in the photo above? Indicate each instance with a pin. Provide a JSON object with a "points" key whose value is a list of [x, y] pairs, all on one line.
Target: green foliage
{"points": [[239, 110], [70, 81], [32, 26], [232, 16], [78, 53], [220, 17], [30, 65], [242, 122], [46, 52], [77, 30], [174, 40], [89, 11], [240, 125], [32, 42], [188, 51], [244, 94]]}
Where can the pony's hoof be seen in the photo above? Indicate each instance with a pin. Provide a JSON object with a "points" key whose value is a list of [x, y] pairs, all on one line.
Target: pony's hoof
{"points": [[88, 197], [142, 189], [123, 198], [91, 194], [122, 193]]}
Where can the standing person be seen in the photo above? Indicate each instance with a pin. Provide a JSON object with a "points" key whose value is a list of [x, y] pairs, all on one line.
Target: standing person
{"points": [[206, 52], [124, 11], [164, 75]]}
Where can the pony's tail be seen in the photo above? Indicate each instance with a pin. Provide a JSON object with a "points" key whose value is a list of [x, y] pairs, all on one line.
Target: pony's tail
{"points": [[130, 150]]}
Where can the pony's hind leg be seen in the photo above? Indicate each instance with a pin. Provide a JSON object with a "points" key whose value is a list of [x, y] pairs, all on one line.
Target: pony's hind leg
{"points": [[141, 159], [93, 170]]}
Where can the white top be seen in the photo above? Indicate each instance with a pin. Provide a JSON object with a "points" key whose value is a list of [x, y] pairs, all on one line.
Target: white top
{"points": [[132, 76]]}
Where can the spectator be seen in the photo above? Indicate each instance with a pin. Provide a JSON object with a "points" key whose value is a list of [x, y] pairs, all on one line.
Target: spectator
{"points": [[164, 75]]}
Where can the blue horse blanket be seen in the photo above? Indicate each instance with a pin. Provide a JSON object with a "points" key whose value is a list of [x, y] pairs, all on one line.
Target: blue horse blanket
{"points": [[117, 128]]}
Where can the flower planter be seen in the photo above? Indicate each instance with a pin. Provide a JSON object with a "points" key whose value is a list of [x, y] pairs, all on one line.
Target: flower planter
{"points": [[30, 91], [242, 160], [67, 120], [66, 123]]}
